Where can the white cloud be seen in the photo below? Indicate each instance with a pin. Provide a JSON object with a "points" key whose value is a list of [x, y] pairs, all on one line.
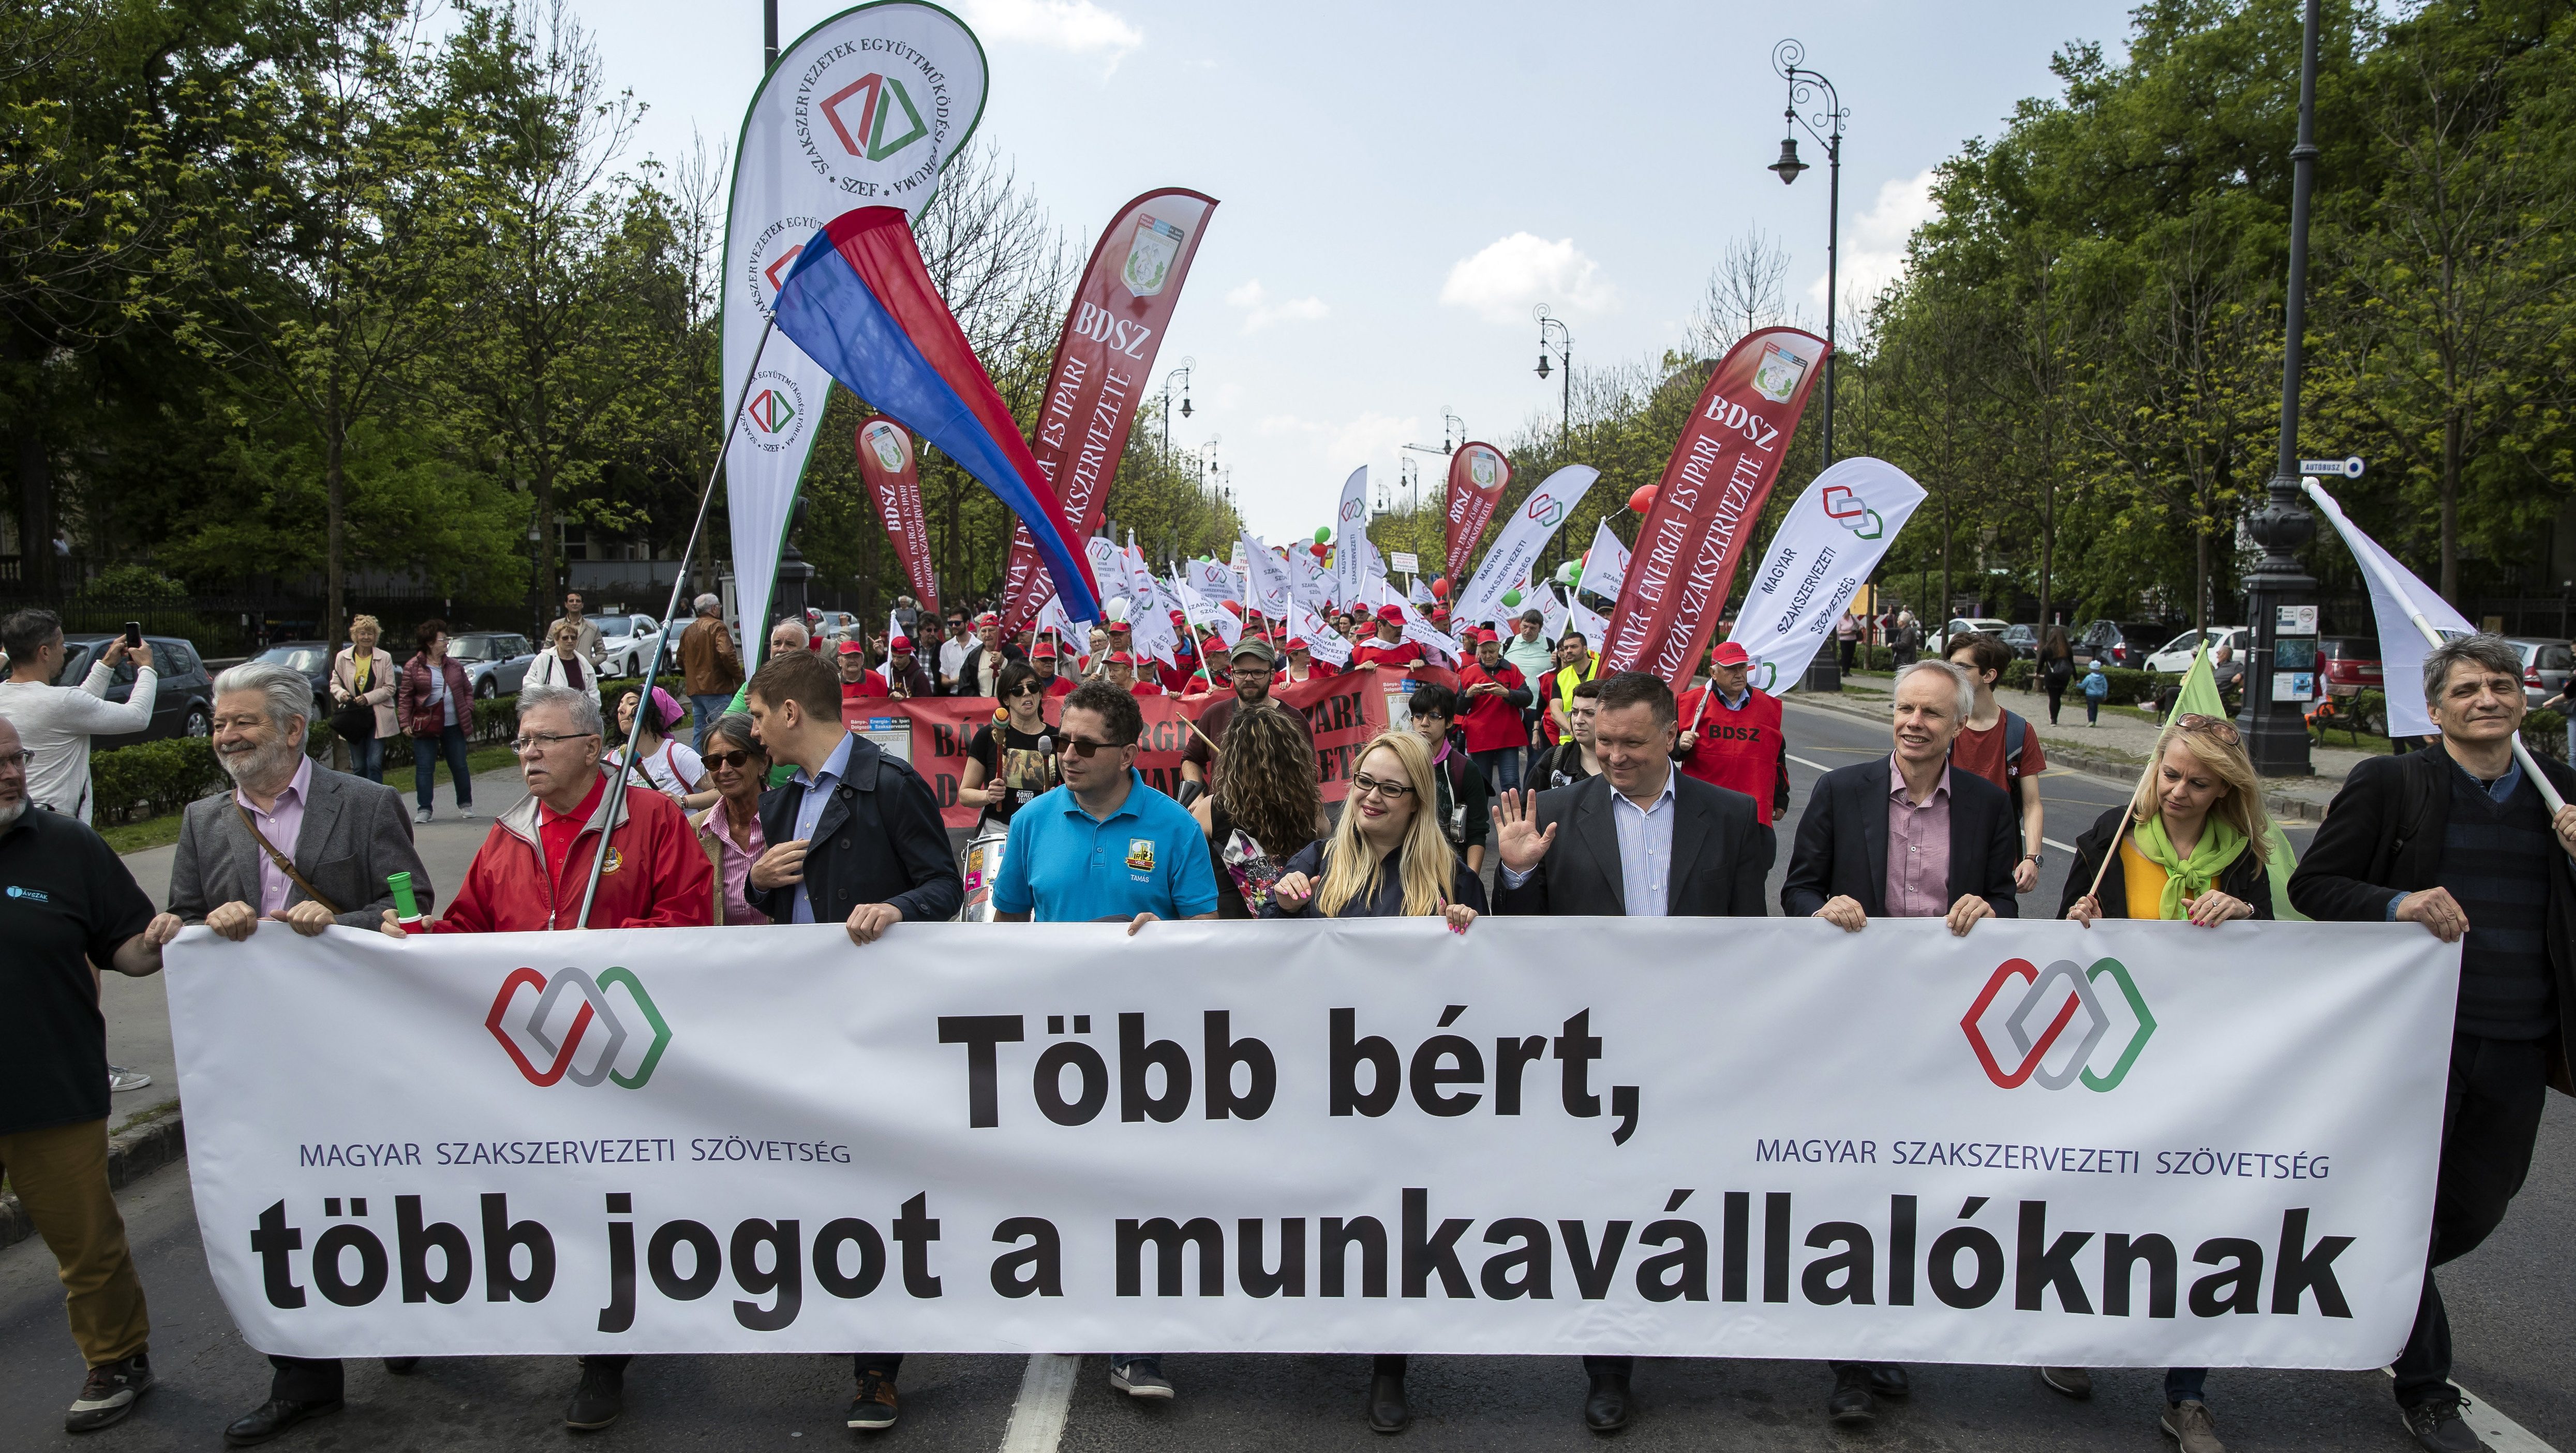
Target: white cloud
{"points": [[1077, 26], [1260, 310], [1874, 250], [1372, 439], [1501, 283]]}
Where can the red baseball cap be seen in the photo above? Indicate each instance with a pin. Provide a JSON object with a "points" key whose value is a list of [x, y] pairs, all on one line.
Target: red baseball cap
{"points": [[1121, 658], [988, 619], [900, 645], [853, 648], [1728, 653], [1391, 614], [1117, 626], [1045, 649], [1296, 643]]}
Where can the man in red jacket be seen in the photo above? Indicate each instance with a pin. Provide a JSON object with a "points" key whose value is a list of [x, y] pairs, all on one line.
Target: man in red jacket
{"points": [[534, 865], [1492, 695], [1731, 734], [1389, 648]]}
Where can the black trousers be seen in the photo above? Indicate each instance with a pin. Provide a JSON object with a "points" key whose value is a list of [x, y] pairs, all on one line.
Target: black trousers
{"points": [[2490, 1118]]}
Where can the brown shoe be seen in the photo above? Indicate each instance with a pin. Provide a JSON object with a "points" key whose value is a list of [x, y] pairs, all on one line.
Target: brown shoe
{"points": [[873, 1409], [2191, 1427]]}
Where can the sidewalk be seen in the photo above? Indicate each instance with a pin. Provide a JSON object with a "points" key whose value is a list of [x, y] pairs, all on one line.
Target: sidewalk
{"points": [[2116, 748]]}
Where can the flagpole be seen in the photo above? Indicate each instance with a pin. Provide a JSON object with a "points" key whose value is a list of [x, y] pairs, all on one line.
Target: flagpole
{"points": [[614, 805]]}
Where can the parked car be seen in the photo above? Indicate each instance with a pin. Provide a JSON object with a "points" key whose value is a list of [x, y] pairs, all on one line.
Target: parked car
{"points": [[2545, 666], [1966, 626], [183, 701], [2118, 643], [832, 625], [313, 658], [2174, 657], [626, 643], [496, 662], [2024, 640], [2348, 664]]}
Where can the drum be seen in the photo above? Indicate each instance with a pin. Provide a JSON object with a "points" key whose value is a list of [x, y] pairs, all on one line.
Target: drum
{"points": [[980, 865]]}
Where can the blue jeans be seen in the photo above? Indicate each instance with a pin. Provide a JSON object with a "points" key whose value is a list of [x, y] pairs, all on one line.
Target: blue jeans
{"points": [[706, 709], [2184, 1384], [367, 758], [1502, 767], [425, 752]]}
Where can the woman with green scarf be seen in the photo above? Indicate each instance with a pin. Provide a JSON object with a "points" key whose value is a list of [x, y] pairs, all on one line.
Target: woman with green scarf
{"points": [[2191, 848]]}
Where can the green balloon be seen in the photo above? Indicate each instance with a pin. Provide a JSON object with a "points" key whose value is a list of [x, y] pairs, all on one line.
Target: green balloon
{"points": [[1323, 533], [1511, 597], [1569, 572]]}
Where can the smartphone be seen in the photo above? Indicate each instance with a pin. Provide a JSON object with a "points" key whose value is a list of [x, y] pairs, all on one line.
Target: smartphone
{"points": [[133, 634]]}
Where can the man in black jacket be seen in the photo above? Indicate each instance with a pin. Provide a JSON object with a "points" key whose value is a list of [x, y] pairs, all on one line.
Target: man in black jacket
{"points": [[982, 667], [1640, 841], [1904, 837], [855, 838], [2455, 837]]}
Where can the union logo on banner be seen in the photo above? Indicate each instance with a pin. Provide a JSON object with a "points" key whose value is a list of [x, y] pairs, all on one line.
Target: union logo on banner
{"points": [[1150, 255], [2040, 1021], [863, 114], [887, 443], [1545, 508], [1846, 508], [776, 411], [610, 1037], [1483, 467], [1778, 374]]}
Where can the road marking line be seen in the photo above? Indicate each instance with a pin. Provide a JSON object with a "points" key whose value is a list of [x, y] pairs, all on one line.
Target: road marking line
{"points": [[1046, 1396], [2500, 1433], [2061, 847], [1803, 762]]}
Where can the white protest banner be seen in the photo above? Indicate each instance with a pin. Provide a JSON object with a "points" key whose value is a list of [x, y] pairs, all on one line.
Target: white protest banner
{"points": [[1605, 565], [1826, 546], [1523, 536], [1309, 583], [1267, 590], [1583, 618], [2396, 598], [1322, 641], [2144, 1144], [1552, 612], [1215, 580], [863, 110], [1351, 561], [1205, 615], [1420, 594]]}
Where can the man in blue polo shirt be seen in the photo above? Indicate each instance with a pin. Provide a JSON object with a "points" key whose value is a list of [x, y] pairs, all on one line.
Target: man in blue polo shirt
{"points": [[1105, 846]]}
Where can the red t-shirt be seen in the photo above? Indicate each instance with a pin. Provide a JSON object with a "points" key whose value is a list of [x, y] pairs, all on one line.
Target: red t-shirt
{"points": [[1491, 722], [1059, 685], [1145, 688], [1739, 748], [1982, 752], [868, 684], [1379, 653]]}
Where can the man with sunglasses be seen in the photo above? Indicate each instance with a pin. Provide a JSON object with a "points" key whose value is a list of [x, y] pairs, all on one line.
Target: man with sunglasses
{"points": [[1254, 666], [1106, 847], [2457, 838], [529, 876]]}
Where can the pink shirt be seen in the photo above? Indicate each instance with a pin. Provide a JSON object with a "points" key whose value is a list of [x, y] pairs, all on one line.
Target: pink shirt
{"points": [[1918, 848], [280, 824], [733, 865]]}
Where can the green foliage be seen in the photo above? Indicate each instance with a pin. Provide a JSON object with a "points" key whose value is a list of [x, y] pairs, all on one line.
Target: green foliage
{"points": [[159, 777], [2545, 733]]}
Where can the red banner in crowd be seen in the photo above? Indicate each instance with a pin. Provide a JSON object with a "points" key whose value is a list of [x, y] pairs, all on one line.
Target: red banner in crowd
{"points": [[1705, 505], [1344, 712], [1478, 475], [1101, 367], [886, 462]]}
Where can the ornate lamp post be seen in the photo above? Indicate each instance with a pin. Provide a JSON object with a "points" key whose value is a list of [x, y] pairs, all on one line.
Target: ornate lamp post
{"points": [[1826, 127]]}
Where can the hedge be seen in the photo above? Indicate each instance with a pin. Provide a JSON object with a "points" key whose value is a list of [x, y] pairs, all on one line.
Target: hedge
{"points": [[165, 776]]}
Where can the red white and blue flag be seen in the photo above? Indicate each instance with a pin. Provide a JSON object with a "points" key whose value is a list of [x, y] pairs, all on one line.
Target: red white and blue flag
{"points": [[860, 303]]}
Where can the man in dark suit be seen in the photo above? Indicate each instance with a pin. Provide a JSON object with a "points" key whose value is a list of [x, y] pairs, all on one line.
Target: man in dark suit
{"points": [[1904, 837], [288, 831], [854, 838], [1639, 841], [2457, 837], [982, 666]]}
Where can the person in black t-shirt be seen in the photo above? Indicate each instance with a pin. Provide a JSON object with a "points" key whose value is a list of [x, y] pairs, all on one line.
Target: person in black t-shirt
{"points": [[1011, 761], [69, 902]]}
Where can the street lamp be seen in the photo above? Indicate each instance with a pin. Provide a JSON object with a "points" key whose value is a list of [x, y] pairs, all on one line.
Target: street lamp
{"points": [[1183, 374], [1565, 361], [1826, 127]]}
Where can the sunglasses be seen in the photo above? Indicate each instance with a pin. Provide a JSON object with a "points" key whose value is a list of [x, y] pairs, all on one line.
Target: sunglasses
{"points": [[1085, 747], [727, 759], [2216, 726], [1026, 688]]}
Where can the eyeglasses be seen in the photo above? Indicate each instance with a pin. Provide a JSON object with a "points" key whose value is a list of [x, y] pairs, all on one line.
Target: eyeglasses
{"points": [[727, 759], [2217, 726], [1085, 746], [539, 741], [1363, 784]]}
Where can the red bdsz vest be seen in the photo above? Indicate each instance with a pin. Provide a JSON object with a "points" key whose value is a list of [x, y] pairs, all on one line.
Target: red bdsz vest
{"points": [[1737, 749]]}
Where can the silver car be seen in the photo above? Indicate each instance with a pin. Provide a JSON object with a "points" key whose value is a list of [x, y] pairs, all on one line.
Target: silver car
{"points": [[496, 662], [627, 642], [2546, 664]]}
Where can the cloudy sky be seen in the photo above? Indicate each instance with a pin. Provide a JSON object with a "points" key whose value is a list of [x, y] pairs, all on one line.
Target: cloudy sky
{"points": [[1400, 183]]}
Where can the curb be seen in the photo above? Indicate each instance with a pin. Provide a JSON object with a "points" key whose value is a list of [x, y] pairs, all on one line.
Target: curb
{"points": [[130, 1157], [2117, 773]]}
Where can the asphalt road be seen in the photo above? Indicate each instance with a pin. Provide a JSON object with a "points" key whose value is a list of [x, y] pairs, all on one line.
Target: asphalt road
{"points": [[2510, 1315]]}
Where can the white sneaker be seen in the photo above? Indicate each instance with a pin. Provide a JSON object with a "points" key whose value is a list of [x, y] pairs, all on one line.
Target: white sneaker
{"points": [[465, 811], [420, 814], [119, 1078]]}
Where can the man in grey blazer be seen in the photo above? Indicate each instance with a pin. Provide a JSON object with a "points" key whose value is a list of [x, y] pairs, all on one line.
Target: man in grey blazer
{"points": [[341, 836]]}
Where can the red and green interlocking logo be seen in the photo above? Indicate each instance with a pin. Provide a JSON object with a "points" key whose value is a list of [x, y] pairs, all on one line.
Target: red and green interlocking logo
{"points": [[2039, 1023], [770, 410], [863, 115], [609, 1017]]}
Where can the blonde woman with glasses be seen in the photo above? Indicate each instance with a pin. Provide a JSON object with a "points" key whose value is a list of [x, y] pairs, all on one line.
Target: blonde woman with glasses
{"points": [[1386, 859], [2190, 847]]}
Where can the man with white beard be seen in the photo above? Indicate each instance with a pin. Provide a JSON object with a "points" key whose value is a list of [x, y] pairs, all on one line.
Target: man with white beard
{"points": [[294, 843]]}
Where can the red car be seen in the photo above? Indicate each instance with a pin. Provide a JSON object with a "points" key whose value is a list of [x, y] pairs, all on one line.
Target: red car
{"points": [[2351, 664]]}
